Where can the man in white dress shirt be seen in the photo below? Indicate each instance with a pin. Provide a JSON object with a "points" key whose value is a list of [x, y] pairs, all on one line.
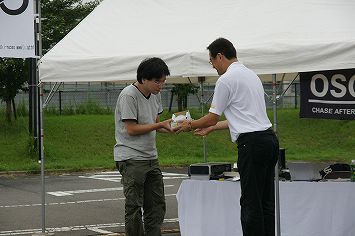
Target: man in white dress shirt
{"points": [[239, 94]]}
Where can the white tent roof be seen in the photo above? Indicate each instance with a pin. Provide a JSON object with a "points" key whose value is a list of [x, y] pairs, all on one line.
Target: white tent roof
{"points": [[275, 36]]}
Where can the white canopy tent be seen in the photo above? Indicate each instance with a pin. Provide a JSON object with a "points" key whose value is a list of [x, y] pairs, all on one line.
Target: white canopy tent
{"points": [[271, 37], [277, 36]]}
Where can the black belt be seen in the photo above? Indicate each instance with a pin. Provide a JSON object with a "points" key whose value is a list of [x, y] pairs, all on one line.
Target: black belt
{"points": [[254, 132]]}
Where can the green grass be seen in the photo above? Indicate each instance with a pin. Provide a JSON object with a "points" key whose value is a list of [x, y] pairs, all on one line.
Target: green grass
{"points": [[14, 153], [80, 142], [315, 139]]}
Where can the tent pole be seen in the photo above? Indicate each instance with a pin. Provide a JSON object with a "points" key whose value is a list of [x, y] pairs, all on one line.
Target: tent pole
{"points": [[201, 79], [42, 157], [277, 190], [51, 93]]}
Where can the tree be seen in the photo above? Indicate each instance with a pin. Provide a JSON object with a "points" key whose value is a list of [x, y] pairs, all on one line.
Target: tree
{"points": [[60, 17], [13, 76], [182, 91]]}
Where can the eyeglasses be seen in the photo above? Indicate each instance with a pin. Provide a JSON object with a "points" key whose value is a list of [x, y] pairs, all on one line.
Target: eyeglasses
{"points": [[213, 59], [159, 82]]}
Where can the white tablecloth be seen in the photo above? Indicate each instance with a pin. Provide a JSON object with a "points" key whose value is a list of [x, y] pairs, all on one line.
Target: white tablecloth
{"points": [[210, 208]]}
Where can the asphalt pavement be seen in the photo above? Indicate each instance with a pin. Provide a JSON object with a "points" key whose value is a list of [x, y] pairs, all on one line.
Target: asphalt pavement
{"points": [[80, 203], [76, 203]]}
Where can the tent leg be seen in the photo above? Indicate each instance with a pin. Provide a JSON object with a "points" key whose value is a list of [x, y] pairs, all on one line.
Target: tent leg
{"points": [[201, 80], [277, 190], [171, 101], [40, 150], [42, 157], [41, 154]]}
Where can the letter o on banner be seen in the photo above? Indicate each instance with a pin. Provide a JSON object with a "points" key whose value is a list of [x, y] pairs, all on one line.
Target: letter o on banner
{"points": [[325, 83]]}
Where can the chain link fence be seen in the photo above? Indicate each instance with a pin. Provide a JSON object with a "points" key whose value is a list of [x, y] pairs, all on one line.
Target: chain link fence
{"points": [[73, 95]]}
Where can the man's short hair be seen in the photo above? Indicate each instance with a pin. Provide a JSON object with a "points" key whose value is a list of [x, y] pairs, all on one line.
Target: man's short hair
{"points": [[223, 46], [152, 68]]}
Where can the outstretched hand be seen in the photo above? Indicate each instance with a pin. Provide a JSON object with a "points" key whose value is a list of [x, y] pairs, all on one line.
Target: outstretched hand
{"points": [[166, 126], [183, 126], [202, 131]]}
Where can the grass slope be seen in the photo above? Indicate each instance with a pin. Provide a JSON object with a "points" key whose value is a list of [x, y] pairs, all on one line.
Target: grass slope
{"points": [[78, 142]]}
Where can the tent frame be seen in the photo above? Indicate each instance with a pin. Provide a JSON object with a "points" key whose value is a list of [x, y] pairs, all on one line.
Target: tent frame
{"points": [[274, 98], [323, 49]]}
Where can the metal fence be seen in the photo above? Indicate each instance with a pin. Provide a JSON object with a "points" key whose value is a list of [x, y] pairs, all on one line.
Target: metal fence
{"points": [[105, 95]]}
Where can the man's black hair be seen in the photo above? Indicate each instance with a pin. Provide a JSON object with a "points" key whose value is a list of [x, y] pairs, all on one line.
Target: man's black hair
{"points": [[223, 46], [152, 68]]}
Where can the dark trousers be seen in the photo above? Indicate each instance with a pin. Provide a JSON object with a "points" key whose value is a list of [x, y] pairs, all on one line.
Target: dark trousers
{"points": [[257, 156], [143, 187]]}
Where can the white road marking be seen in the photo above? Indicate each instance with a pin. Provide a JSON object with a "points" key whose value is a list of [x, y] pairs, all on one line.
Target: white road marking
{"points": [[173, 174], [97, 227], [100, 231], [176, 177], [72, 202], [115, 176], [63, 203], [68, 193], [72, 192]]}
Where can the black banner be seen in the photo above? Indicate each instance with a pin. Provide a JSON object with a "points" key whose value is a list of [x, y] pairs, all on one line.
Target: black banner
{"points": [[328, 94]]}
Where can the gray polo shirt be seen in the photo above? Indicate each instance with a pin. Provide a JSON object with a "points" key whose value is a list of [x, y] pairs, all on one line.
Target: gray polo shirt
{"points": [[133, 105]]}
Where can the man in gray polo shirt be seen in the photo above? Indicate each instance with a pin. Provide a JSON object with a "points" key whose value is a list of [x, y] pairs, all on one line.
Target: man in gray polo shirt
{"points": [[137, 120]]}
